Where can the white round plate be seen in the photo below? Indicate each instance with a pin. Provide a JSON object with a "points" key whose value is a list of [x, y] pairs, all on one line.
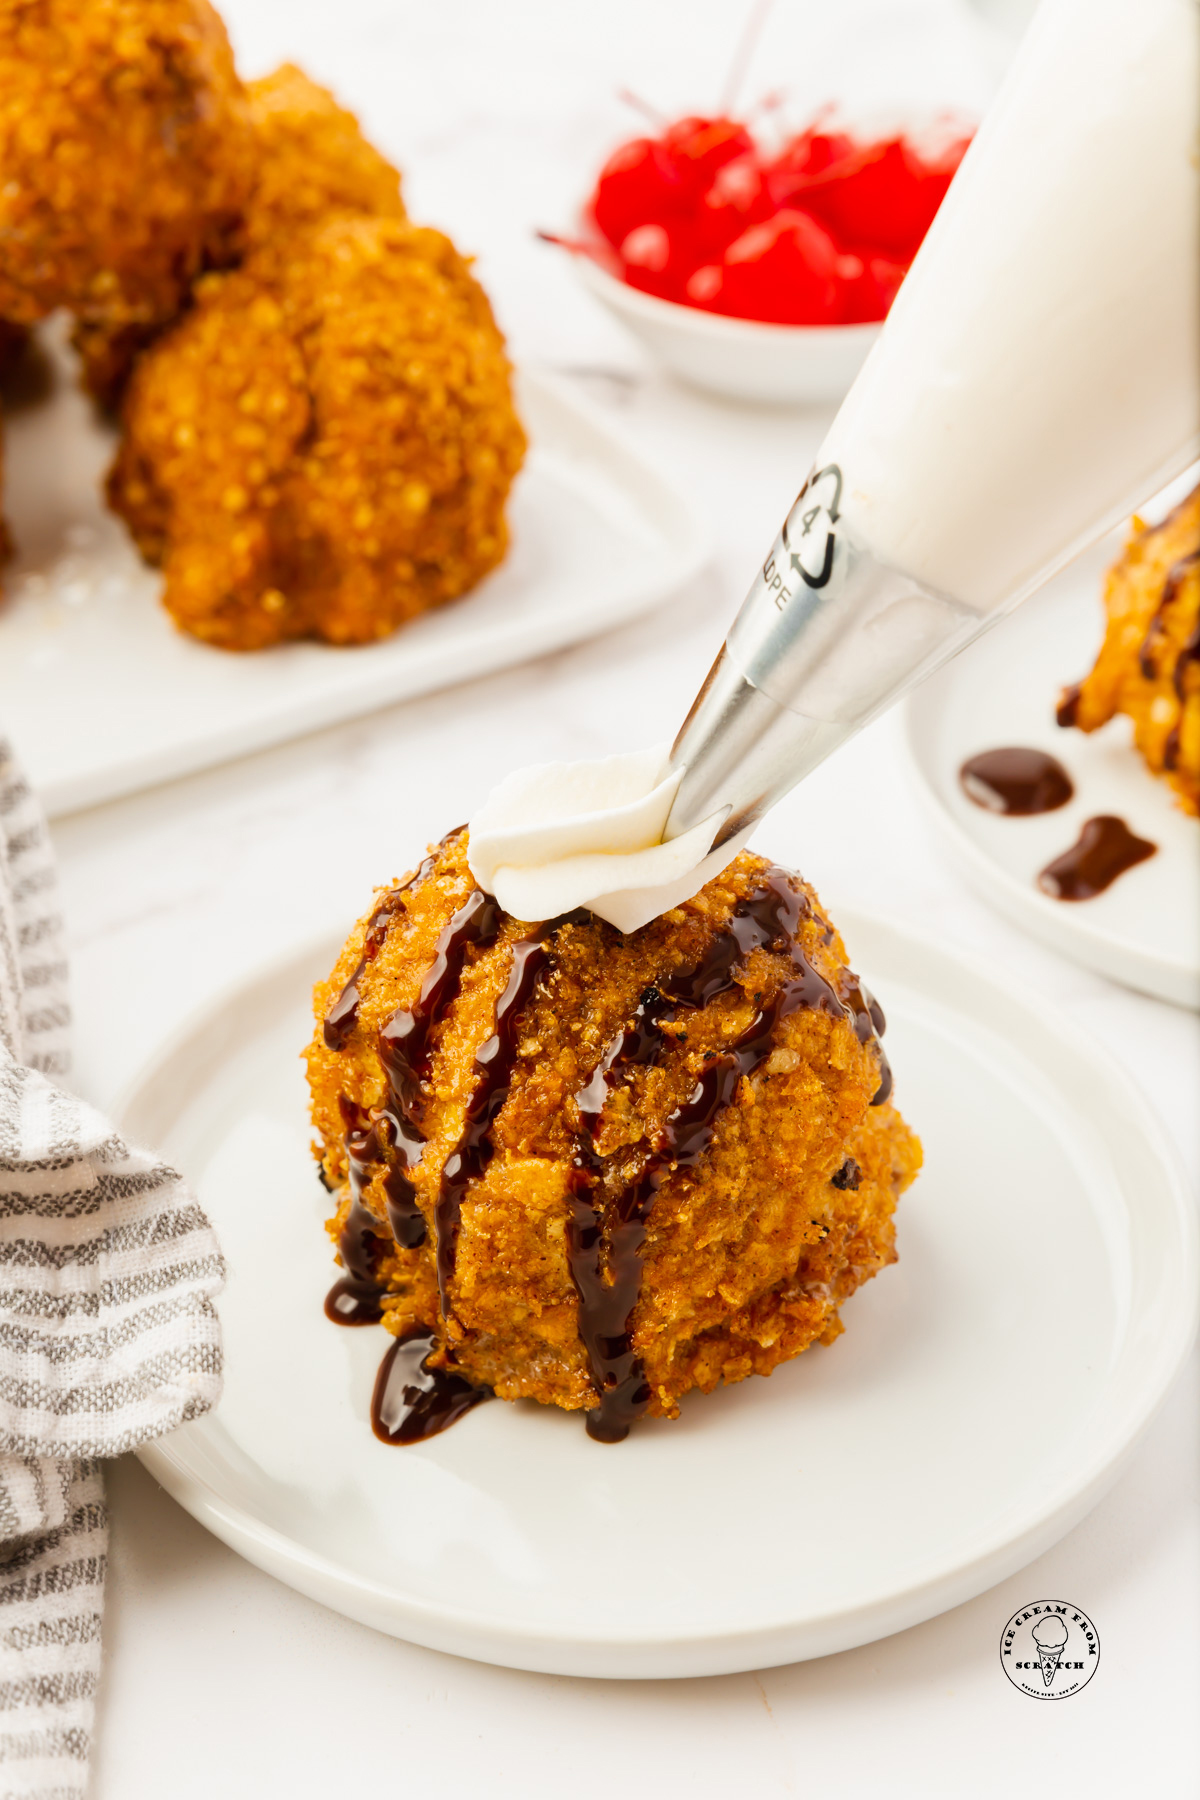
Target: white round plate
{"points": [[1145, 929], [744, 359], [986, 1390]]}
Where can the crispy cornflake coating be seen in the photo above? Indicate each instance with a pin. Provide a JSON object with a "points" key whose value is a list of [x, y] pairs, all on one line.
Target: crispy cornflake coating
{"points": [[323, 448], [1149, 664], [126, 150], [749, 1255], [311, 160]]}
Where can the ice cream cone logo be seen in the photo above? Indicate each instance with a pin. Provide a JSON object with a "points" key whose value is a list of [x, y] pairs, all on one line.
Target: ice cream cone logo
{"points": [[1050, 1649], [1050, 1636]]}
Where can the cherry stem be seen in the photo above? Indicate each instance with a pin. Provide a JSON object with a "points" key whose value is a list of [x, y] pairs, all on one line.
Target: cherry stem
{"points": [[747, 44], [575, 245], [643, 106]]}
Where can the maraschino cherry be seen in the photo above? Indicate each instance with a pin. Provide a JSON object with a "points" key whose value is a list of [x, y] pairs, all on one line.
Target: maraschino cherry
{"points": [[821, 233]]}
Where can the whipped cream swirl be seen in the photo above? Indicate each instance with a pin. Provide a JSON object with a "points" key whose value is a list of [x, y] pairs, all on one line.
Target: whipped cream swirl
{"points": [[555, 836]]}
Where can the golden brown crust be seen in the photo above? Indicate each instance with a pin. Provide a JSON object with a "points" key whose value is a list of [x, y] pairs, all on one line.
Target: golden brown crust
{"points": [[125, 145], [311, 160], [745, 1263], [324, 446], [1149, 664]]}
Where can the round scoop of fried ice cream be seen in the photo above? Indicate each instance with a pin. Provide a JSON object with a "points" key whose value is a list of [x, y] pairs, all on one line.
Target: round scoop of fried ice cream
{"points": [[603, 1168]]}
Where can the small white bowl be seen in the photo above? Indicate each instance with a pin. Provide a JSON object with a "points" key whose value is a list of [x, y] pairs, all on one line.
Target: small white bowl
{"points": [[786, 365]]}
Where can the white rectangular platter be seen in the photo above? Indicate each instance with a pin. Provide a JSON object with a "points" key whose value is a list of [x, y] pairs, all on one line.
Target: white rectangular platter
{"points": [[102, 696]]}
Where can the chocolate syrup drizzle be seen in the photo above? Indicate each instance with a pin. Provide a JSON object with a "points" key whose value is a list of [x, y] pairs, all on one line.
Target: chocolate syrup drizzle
{"points": [[355, 1298], [1148, 660], [493, 1077], [404, 1050], [393, 1137], [342, 1016], [608, 1284], [411, 1401], [1104, 849]]}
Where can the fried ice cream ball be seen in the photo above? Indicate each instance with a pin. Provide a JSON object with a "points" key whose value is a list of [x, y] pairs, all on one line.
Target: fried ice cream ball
{"points": [[323, 450], [603, 1170], [311, 160], [126, 149], [1149, 664]]}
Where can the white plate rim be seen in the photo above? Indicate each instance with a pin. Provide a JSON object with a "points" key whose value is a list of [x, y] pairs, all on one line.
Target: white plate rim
{"points": [[662, 1655], [1074, 934]]}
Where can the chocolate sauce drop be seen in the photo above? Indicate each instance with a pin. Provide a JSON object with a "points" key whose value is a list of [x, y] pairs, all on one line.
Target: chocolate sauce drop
{"points": [[1105, 849], [1066, 713], [356, 1299], [351, 1302], [1016, 782], [608, 1287], [411, 1401]]}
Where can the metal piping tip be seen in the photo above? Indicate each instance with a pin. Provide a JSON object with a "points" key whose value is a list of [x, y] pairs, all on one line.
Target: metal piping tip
{"points": [[827, 637], [740, 752]]}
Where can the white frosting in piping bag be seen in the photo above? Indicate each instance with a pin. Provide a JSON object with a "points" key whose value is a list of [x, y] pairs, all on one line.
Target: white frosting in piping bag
{"points": [[556, 836]]}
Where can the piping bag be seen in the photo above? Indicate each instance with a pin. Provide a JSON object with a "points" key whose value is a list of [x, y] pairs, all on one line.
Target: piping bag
{"points": [[1037, 379]]}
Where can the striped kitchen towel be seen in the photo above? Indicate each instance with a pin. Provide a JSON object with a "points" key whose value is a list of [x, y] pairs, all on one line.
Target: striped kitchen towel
{"points": [[107, 1330]]}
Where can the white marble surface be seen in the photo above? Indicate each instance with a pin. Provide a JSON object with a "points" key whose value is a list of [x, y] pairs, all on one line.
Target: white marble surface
{"points": [[218, 1678]]}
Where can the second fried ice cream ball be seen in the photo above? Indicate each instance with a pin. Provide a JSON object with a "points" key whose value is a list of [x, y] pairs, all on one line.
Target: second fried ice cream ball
{"points": [[323, 447]]}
